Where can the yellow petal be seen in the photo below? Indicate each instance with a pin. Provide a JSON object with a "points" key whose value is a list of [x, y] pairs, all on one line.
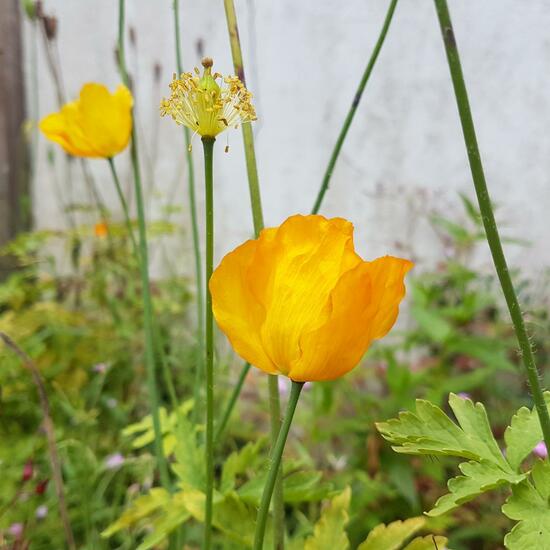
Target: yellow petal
{"points": [[97, 125], [294, 270], [236, 311], [365, 304]]}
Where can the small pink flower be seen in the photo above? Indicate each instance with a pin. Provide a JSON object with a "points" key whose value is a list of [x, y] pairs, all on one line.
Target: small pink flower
{"points": [[114, 461], [540, 450], [16, 529], [100, 368], [464, 395]]}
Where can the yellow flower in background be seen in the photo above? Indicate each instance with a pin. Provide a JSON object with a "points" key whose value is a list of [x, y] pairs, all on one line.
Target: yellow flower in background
{"points": [[98, 124], [299, 301], [206, 106]]}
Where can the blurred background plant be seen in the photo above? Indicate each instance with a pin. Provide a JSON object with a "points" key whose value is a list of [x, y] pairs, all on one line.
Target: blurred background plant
{"points": [[73, 303]]}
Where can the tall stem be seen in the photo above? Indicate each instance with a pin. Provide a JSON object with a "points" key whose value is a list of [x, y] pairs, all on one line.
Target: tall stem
{"points": [[257, 217], [231, 403], [144, 271], [353, 108], [275, 461], [208, 146], [49, 429], [491, 230], [124, 204], [194, 234]]}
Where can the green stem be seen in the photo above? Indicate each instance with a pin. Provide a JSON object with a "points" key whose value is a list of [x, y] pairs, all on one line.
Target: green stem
{"points": [[208, 146], [158, 341], [194, 233], [275, 461], [144, 271], [258, 220], [354, 104], [231, 403], [124, 204], [488, 217]]}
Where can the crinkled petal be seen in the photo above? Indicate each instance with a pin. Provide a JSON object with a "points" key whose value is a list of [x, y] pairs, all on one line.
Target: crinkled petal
{"points": [[293, 273], [236, 311], [365, 304]]}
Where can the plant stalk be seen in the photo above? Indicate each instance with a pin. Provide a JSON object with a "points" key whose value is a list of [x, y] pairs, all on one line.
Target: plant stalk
{"points": [[125, 209], [231, 403], [208, 146], [353, 108], [275, 462], [257, 217], [488, 217], [144, 271], [194, 234], [49, 429]]}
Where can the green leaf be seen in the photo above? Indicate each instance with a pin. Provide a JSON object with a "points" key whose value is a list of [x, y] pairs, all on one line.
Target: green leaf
{"points": [[478, 478], [523, 434], [235, 519], [529, 504], [300, 486], [392, 536], [437, 328], [429, 431], [427, 543], [329, 532], [239, 462], [141, 508]]}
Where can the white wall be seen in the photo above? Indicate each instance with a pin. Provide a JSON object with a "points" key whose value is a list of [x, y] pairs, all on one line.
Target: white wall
{"points": [[404, 154]]}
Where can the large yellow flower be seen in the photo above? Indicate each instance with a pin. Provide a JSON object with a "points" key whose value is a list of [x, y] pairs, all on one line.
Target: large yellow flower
{"points": [[210, 104], [299, 301], [98, 124]]}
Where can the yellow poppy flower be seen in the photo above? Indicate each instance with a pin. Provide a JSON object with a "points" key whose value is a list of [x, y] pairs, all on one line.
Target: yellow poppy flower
{"points": [[206, 106], [97, 125], [299, 301]]}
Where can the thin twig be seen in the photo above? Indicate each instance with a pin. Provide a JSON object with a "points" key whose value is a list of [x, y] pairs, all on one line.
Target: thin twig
{"points": [[50, 435]]}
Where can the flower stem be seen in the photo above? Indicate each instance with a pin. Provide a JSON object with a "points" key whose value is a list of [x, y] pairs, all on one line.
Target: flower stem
{"points": [[231, 403], [354, 104], [194, 233], [208, 146], [275, 461], [124, 204], [144, 271], [258, 220], [488, 217]]}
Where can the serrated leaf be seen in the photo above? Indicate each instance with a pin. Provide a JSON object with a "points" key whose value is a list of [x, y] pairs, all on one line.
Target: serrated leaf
{"points": [[329, 532], [523, 434], [479, 477], [430, 431], [392, 536], [529, 504]]}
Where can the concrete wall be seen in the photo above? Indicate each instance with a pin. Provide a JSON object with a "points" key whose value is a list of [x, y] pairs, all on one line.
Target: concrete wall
{"points": [[404, 154]]}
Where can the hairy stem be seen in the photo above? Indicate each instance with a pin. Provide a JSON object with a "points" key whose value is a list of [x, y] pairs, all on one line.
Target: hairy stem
{"points": [[488, 217]]}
